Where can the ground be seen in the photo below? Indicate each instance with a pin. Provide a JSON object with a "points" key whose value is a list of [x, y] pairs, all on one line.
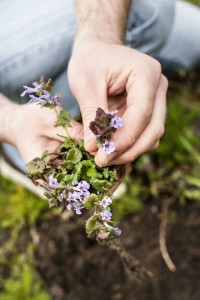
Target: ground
{"points": [[76, 268]]}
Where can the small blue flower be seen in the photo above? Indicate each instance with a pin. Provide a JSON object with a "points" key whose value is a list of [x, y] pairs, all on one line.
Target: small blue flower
{"points": [[117, 122], [53, 183], [117, 231], [75, 205], [106, 201], [55, 100], [72, 197], [83, 185], [35, 99], [46, 95], [108, 147], [29, 90], [75, 182], [63, 194], [106, 215], [77, 208]]}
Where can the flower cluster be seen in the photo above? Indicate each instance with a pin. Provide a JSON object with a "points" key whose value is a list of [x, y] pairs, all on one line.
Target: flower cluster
{"points": [[43, 96], [72, 180], [103, 126], [75, 199], [77, 196]]}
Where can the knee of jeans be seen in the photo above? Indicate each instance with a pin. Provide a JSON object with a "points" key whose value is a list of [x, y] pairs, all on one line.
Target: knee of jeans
{"points": [[149, 24], [36, 43]]}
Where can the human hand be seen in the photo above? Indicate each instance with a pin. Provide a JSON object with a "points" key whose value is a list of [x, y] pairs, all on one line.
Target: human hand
{"points": [[33, 131], [113, 76]]}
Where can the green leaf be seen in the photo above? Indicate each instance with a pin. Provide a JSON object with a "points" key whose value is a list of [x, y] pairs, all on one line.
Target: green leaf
{"points": [[90, 224], [67, 144], [192, 194], [193, 181], [63, 119], [37, 165], [106, 173], [89, 201], [74, 156], [101, 185]]}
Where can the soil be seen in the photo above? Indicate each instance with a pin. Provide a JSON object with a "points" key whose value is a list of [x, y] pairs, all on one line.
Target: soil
{"points": [[77, 268]]}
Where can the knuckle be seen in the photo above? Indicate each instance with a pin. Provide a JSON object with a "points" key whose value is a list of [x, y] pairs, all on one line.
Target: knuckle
{"points": [[164, 81], [130, 141], [77, 132], [146, 113], [157, 67], [88, 112], [126, 158], [160, 129]]}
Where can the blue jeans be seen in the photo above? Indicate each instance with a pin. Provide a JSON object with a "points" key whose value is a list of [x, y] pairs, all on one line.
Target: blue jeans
{"points": [[37, 37]]}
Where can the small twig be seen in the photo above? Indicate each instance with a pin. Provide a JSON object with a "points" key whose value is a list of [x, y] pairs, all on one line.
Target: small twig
{"points": [[162, 233]]}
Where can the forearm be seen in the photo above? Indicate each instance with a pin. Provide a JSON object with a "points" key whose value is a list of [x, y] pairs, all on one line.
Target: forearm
{"points": [[102, 19], [7, 109]]}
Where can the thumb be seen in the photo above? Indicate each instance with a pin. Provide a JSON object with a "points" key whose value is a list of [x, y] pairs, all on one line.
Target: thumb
{"points": [[89, 103]]}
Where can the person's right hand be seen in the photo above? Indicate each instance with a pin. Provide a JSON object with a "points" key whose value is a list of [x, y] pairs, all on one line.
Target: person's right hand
{"points": [[113, 76], [32, 131]]}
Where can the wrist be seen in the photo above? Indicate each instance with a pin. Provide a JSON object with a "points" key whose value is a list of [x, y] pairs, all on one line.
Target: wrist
{"points": [[101, 20], [86, 33]]}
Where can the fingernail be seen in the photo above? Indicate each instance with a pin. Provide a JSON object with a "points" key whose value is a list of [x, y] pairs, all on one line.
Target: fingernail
{"points": [[98, 163]]}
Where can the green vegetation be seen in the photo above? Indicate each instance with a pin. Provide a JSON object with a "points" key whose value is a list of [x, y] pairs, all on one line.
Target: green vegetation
{"points": [[18, 214]]}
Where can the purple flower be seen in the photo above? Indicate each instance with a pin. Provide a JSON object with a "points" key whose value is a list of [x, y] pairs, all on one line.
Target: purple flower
{"points": [[55, 100], [46, 95], [72, 197], [75, 206], [117, 231], [108, 147], [106, 201], [113, 112], [53, 183], [74, 182], [84, 194], [35, 99], [29, 90], [76, 198], [117, 122], [82, 185], [63, 194], [106, 215], [70, 206]]}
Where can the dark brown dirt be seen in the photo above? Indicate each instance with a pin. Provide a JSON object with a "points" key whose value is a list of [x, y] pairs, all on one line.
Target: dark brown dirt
{"points": [[76, 268]]}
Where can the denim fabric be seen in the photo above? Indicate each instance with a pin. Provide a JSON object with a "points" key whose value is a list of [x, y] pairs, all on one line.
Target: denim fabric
{"points": [[37, 37]]}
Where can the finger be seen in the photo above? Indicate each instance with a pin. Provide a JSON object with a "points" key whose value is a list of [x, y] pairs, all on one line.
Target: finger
{"points": [[90, 97], [90, 94], [141, 94], [149, 139], [38, 148]]}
